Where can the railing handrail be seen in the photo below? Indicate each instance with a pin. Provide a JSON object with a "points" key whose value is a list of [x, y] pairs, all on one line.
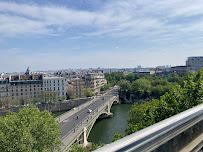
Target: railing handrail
{"points": [[143, 138]]}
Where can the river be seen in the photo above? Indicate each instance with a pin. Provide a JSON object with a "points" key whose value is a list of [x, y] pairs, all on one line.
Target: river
{"points": [[104, 130]]}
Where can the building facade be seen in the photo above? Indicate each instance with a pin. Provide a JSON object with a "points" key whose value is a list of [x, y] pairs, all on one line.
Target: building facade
{"points": [[180, 70], [93, 80], [194, 64], [4, 91], [25, 87], [54, 86]]}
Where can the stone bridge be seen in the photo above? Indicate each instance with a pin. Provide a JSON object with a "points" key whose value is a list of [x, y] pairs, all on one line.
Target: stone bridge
{"points": [[76, 126]]}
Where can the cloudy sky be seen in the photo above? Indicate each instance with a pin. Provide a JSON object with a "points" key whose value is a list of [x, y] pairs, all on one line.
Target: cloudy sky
{"points": [[61, 34]]}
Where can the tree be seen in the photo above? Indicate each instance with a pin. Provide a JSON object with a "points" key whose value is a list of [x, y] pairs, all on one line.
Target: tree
{"points": [[177, 100], [29, 130], [130, 77], [72, 97], [88, 92], [141, 88], [117, 137]]}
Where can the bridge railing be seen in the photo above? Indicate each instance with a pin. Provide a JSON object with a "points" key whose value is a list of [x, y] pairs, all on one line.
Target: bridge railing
{"points": [[159, 134], [64, 116]]}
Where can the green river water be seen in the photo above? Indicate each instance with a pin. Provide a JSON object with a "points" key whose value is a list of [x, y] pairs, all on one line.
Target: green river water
{"points": [[104, 130]]}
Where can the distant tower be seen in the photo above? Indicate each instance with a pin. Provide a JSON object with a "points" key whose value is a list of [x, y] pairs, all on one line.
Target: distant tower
{"points": [[28, 72]]}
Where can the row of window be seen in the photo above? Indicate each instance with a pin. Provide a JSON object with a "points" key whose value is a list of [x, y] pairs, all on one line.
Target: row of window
{"points": [[27, 89], [49, 89], [26, 86], [53, 85], [18, 94], [50, 81]]}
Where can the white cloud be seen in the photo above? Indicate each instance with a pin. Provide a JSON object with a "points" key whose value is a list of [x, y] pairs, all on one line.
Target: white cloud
{"points": [[115, 18]]}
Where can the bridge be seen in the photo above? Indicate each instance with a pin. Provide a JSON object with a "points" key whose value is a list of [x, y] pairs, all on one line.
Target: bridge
{"points": [[77, 123]]}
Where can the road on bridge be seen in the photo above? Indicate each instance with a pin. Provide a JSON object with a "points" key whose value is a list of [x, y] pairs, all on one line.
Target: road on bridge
{"points": [[72, 121]]}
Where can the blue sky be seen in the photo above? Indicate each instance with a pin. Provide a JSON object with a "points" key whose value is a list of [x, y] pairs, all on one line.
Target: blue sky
{"points": [[62, 34]]}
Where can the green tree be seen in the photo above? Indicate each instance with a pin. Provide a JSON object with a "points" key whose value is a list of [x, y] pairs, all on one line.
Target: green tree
{"points": [[130, 77], [72, 97], [141, 88], [177, 100], [118, 136], [88, 92], [29, 130], [78, 148]]}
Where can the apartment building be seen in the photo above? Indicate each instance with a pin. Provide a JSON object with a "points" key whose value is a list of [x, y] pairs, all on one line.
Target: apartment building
{"points": [[93, 80], [194, 63], [55, 84], [25, 87], [75, 87], [4, 90]]}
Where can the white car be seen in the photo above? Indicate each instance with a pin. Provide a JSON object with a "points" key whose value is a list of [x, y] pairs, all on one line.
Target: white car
{"points": [[89, 110]]}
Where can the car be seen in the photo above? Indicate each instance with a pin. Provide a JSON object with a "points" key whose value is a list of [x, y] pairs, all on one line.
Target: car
{"points": [[89, 111]]}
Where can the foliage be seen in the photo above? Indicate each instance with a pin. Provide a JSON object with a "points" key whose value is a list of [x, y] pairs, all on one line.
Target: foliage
{"points": [[141, 88], [117, 137], [106, 87], [80, 148], [177, 100], [29, 130], [141, 116], [88, 92], [49, 96], [96, 146], [72, 97]]}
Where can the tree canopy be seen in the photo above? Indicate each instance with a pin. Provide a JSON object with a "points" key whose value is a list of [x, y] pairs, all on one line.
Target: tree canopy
{"points": [[177, 100], [29, 131]]}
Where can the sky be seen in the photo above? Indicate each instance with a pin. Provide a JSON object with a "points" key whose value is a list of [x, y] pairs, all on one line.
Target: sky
{"points": [[63, 34]]}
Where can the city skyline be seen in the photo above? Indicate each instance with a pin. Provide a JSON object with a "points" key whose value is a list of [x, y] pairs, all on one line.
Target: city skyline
{"points": [[63, 34]]}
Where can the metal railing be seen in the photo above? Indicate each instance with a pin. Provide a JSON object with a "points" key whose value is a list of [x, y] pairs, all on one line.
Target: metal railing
{"points": [[152, 137]]}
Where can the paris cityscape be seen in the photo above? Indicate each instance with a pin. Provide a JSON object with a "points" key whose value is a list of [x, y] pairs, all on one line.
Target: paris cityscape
{"points": [[102, 76]]}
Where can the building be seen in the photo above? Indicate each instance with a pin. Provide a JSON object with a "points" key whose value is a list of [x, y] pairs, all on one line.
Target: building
{"points": [[93, 80], [4, 91], [180, 70], [195, 63], [76, 87], [25, 87], [54, 86]]}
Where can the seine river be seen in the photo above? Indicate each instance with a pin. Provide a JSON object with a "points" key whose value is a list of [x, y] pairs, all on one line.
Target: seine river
{"points": [[104, 130]]}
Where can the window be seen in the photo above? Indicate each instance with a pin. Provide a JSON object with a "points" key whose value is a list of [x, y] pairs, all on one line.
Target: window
{"points": [[58, 88]]}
